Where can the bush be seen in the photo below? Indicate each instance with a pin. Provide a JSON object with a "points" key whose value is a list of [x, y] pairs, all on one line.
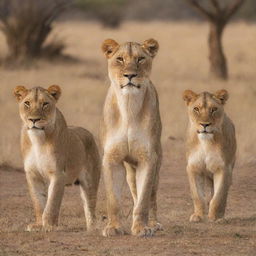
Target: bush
{"points": [[109, 12], [26, 26]]}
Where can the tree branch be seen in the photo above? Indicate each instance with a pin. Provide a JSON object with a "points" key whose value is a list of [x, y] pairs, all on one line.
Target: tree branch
{"points": [[207, 14], [216, 6], [233, 8]]}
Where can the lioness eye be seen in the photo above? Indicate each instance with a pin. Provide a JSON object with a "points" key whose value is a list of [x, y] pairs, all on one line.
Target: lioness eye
{"points": [[120, 59], [27, 104], [196, 109], [140, 59], [45, 104], [214, 110]]}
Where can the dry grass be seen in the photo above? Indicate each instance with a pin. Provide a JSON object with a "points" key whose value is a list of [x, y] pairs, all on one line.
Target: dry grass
{"points": [[181, 63]]}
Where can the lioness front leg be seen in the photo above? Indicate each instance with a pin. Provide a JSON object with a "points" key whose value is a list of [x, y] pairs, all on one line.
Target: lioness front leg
{"points": [[55, 195], [218, 203], [196, 182], [38, 195], [145, 175], [114, 178]]}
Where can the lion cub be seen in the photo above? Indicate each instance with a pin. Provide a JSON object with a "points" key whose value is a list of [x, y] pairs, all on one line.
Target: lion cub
{"points": [[211, 148], [130, 134], [55, 155]]}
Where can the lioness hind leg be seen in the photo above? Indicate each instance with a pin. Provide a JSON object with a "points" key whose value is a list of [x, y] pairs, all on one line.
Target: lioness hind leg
{"points": [[153, 221], [131, 180], [88, 189], [114, 178], [209, 183], [89, 181], [218, 203], [38, 194], [196, 182]]}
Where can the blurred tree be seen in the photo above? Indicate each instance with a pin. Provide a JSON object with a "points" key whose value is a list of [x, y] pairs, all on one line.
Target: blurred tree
{"points": [[109, 12], [26, 24], [218, 16], [248, 10]]}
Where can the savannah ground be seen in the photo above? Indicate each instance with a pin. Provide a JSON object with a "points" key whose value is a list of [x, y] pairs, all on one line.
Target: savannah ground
{"points": [[180, 64]]}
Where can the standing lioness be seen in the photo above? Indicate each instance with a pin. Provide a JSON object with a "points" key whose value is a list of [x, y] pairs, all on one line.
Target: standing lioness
{"points": [[131, 131], [55, 155], [211, 148]]}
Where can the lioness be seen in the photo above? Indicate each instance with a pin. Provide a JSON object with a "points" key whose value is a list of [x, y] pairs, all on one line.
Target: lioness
{"points": [[211, 148], [54, 156], [130, 134]]}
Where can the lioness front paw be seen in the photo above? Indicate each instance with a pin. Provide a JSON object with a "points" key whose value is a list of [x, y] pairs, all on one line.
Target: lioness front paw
{"points": [[217, 219], [48, 228], [111, 230], [143, 231], [34, 227], [156, 226], [195, 218]]}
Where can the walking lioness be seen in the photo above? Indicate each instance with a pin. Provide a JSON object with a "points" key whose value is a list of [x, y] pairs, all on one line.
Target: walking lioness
{"points": [[130, 134], [211, 148], [55, 155]]}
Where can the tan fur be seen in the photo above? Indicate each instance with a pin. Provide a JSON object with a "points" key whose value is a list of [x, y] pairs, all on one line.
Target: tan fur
{"points": [[211, 148], [54, 156], [130, 135]]}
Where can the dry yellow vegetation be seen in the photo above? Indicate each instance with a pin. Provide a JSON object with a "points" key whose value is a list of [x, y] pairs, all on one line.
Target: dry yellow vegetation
{"points": [[181, 64]]}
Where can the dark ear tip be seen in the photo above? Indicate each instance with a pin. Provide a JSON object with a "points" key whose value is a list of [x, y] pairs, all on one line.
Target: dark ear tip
{"points": [[188, 95], [151, 46], [108, 46], [19, 92], [54, 87], [19, 87], [55, 91], [222, 95]]}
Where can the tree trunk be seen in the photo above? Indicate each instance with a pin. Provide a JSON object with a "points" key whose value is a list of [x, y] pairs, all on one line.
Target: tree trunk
{"points": [[218, 64], [27, 45]]}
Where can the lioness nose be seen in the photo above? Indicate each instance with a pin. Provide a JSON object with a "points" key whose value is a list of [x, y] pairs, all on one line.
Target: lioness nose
{"points": [[205, 124], [130, 76], [34, 120]]}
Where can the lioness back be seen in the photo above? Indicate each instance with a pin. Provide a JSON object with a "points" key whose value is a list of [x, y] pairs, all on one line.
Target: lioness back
{"points": [[90, 148]]}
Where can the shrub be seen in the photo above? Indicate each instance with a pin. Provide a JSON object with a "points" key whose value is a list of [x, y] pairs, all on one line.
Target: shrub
{"points": [[109, 12], [26, 25]]}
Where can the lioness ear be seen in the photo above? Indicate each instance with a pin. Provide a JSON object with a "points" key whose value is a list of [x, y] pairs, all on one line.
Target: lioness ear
{"points": [[55, 91], [109, 47], [20, 92], [222, 95], [189, 96], [151, 46]]}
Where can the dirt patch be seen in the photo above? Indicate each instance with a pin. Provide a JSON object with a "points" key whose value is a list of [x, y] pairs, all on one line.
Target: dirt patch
{"points": [[235, 236]]}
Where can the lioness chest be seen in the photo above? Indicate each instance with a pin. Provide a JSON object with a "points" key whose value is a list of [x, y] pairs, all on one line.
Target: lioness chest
{"points": [[131, 141], [129, 137], [206, 156], [39, 158]]}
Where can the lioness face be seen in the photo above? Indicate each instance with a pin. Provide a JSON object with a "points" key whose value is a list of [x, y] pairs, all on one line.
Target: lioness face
{"points": [[206, 111], [37, 106], [129, 64]]}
